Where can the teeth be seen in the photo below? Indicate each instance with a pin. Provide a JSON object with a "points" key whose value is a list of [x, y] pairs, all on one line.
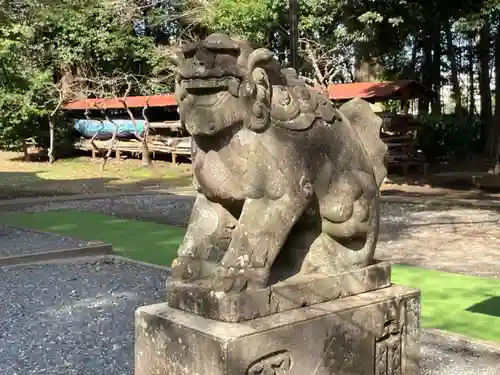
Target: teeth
{"points": [[209, 83]]}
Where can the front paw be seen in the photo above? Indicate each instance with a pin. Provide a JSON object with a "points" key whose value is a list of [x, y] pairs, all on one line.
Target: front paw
{"points": [[239, 255], [239, 279], [186, 268]]}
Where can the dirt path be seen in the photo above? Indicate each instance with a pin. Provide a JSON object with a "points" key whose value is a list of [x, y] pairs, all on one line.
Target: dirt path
{"points": [[432, 192], [82, 175], [461, 240]]}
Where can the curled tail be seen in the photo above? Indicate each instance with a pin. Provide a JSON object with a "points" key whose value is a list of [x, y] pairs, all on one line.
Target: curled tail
{"points": [[367, 125]]}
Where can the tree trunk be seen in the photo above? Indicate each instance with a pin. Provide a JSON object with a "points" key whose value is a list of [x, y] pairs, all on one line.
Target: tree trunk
{"points": [[436, 70], [52, 127], [66, 79], [470, 95], [145, 154], [80, 90], [484, 79], [363, 71], [457, 94], [423, 104], [493, 146], [412, 74]]}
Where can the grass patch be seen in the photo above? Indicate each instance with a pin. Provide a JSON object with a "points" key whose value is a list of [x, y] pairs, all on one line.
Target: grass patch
{"points": [[139, 240], [81, 175], [466, 305], [462, 304]]}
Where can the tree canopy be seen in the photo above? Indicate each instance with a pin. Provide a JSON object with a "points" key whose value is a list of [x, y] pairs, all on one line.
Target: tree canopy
{"points": [[56, 50]]}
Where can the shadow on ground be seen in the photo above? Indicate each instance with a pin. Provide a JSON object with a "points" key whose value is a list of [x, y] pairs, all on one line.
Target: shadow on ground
{"points": [[29, 184], [471, 179], [399, 219], [490, 306]]}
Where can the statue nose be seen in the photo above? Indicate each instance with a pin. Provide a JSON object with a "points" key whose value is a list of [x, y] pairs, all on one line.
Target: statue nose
{"points": [[204, 59], [197, 61]]}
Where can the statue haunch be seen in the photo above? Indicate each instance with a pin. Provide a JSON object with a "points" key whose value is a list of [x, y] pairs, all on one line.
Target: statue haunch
{"points": [[287, 184]]}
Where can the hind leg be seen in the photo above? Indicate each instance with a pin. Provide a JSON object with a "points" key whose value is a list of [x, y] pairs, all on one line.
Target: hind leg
{"points": [[349, 226]]}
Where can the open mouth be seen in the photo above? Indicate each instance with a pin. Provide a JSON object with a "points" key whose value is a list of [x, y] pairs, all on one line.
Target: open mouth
{"points": [[210, 86]]}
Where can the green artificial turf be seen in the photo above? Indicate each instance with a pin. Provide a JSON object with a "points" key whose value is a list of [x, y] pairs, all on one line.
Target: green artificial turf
{"points": [[466, 305], [462, 304], [139, 240]]}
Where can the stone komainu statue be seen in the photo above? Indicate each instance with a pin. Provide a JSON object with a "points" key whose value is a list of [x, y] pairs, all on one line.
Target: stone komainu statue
{"points": [[287, 184]]}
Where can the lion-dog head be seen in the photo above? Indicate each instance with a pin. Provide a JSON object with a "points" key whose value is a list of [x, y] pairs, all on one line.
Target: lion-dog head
{"points": [[223, 83]]}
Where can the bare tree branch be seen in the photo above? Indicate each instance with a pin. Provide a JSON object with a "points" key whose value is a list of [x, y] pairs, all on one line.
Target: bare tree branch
{"points": [[52, 123], [327, 62], [92, 140], [112, 141], [142, 139], [145, 155], [119, 85]]}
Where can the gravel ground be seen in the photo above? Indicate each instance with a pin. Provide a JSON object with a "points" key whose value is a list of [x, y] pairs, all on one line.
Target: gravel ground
{"points": [[78, 319], [73, 318], [17, 242], [64, 319], [461, 240], [453, 356], [457, 239]]}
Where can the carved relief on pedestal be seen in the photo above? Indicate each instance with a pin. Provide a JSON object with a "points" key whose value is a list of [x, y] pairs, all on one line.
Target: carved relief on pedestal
{"points": [[278, 363], [388, 347]]}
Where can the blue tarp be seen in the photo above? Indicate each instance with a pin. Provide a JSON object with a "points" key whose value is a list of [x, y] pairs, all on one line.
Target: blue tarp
{"points": [[105, 129]]}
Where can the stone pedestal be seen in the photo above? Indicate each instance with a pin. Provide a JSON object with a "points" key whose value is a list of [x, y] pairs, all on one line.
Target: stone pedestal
{"points": [[373, 333], [293, 293]]}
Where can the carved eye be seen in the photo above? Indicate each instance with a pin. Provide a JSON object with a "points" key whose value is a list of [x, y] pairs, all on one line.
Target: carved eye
{"points": [[196, 61]]}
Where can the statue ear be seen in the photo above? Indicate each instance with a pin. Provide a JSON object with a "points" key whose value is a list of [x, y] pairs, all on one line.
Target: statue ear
{"points": [[259, 59], [263, 58], [261, 107]]}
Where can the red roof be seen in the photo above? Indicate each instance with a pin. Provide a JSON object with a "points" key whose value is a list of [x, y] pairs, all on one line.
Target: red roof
{"points": [[376, 90], [343, 91], [132, 102]]}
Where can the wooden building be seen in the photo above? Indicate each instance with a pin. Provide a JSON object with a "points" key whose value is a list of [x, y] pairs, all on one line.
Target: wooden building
{"points": [[399, 129], [166, 135]]}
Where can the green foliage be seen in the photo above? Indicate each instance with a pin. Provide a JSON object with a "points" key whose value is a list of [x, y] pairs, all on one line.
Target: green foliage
{"points": [[58, 49], [23, 85], [88, 32], [443, 137], [391, 106], [54, 50], [250, 20]]}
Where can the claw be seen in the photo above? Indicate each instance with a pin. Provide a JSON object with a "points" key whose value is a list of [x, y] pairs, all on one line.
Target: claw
{"points": [[185, 268]]}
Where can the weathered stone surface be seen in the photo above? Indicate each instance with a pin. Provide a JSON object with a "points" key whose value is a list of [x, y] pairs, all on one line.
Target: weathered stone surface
{"points": [[278, 170], [295, 292], [275, 275], [367, 334]]}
